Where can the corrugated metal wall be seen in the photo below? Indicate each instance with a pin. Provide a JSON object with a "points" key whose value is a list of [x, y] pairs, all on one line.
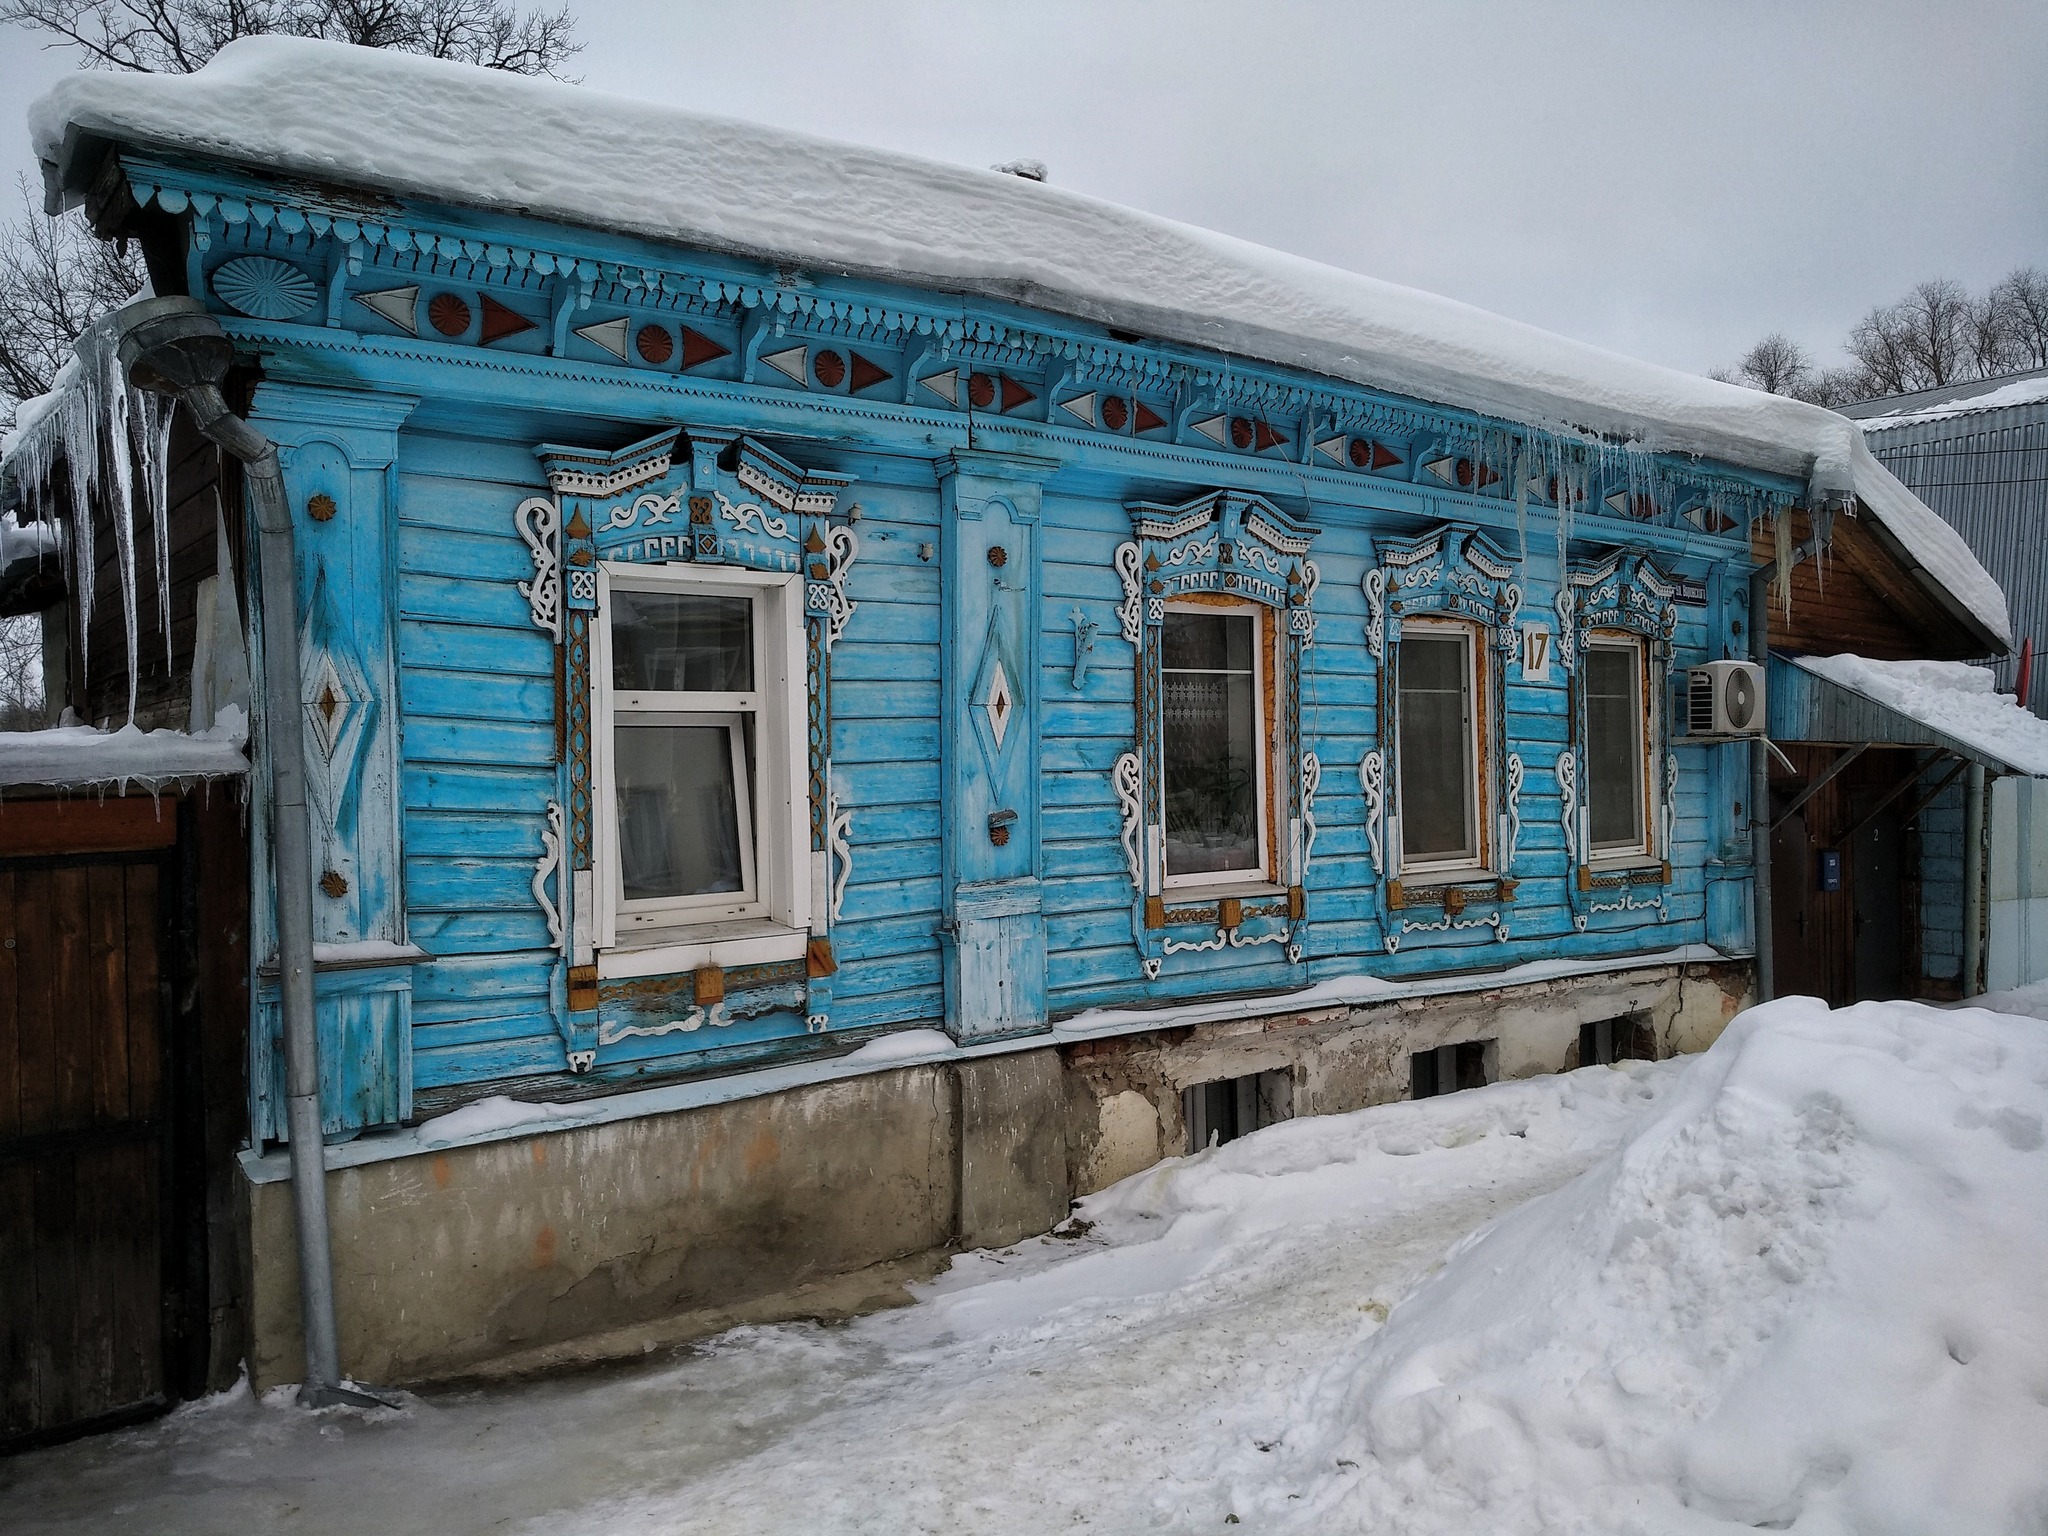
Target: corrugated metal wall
{"points": [[1986, 474]]}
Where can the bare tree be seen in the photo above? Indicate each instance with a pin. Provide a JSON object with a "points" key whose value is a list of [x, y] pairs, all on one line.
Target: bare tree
{"points": [[21, 673], [54, 278], [1777, 365], [178, 36], [2021, 300]]}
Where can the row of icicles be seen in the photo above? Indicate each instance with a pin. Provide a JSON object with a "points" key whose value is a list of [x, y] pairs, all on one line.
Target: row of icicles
{"points": [[111, 438]]}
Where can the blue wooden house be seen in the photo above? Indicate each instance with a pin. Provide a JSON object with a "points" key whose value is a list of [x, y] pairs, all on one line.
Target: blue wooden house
{"points": [[871, 698]]}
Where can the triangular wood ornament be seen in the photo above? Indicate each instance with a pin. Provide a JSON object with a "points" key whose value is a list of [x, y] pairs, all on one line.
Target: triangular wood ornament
{"points": [[791, 362], [1332, 448], [608, 335], [500, 322], [1618, 502], [1213, 428], [1444, 469], [1015, 394], [699, 349], [866, 374], [945, 385], [1147, 419], [1265, 437], [1081, 408], [1383, 457], [398, 305]]}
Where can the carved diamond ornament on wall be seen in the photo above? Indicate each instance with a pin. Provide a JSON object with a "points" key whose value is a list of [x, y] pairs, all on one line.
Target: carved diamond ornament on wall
{"points": [[999, 702]]}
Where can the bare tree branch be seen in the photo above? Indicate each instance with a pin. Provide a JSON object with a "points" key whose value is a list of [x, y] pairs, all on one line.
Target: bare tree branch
{"points": [[55, 279]]}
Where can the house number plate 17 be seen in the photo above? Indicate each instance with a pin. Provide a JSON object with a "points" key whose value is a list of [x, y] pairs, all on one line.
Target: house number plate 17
{"points": [[1535, 653]]}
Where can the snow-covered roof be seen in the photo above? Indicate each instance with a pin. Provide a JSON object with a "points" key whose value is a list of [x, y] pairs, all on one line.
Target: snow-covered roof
{"points": [[1953, 400], [1953, 698], [407, 126], [80, 757]]}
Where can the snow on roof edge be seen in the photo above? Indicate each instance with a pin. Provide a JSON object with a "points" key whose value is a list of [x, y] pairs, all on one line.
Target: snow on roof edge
{"points": [[403, 125], [1953, 698], [1941, 552]]}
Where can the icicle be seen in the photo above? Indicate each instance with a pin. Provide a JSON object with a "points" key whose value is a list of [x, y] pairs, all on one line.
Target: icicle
{"points": [[1518, 467], [116, 428], [81, 420], [1782, 578], [153, 414]]}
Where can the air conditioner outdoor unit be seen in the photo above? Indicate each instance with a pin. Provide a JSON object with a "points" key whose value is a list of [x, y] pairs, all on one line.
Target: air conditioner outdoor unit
{"points": [[1725, 698]]}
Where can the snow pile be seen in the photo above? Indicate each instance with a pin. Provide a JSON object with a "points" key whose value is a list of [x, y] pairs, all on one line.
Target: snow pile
{"points": [[1806, 1294], [484, 1116], [1952, 697], [399, 124], [78, 756], [2031, 390]]}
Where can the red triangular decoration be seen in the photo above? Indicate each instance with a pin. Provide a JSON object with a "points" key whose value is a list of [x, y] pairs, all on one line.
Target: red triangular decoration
{"points": [[500, 322], [1383, 458], [1265, 437], [867, 375], [1149, 420], [699, 349], [1015, 394]]}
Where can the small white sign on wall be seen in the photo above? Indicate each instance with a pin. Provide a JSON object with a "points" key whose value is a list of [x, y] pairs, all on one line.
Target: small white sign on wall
{"points": [[1535, 653]]}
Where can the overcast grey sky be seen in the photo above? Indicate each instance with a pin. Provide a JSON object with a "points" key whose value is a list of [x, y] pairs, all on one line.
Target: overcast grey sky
{"points": [[1671, 180]]}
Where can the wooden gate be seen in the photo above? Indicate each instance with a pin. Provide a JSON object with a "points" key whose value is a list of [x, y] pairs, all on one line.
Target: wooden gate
{"points": [[90, 1234]]}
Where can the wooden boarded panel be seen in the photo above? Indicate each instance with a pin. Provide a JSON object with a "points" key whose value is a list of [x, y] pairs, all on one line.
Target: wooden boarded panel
{"points": [[81, 1171]]}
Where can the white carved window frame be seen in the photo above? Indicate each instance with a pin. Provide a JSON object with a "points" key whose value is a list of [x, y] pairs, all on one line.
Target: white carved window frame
{"points": [[1644, 849], [1479, 683], [774, 925]]}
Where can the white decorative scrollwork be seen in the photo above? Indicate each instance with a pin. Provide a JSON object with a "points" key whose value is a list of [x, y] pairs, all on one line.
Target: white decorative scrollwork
{"points": [[697, 1018], [1447, 923], [1150, 966], [1311, 779], [1628, 903], [539, 521], [1311, 578], [1372, 779], [1510, 637], [1232, 938], [750, 517], [582, 1061], [838, 831], [1127, 778], [1568, 799], [1376, 613], [1515, 776], [651, 509], [842, 548], [1567, 636], [1129, 613], [549, 861]]}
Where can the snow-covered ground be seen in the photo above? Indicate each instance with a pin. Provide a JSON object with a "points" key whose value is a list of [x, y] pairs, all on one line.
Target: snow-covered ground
{"points": [[1792, 1284]]}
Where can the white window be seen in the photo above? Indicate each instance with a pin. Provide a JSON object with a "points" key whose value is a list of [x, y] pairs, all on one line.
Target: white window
{"points": [[700, 770], [1214, 742], [1617, 748], [1442, 817]]}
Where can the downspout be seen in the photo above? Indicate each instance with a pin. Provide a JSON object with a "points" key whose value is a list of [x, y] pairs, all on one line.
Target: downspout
{"points": [[1760, 788], [171, 346], [1973, 881]]}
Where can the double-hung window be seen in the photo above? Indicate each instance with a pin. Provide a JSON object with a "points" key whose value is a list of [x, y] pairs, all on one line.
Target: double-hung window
{"points": [[1214, 740], [1442, 817], [700, 722], [1617, 748]]}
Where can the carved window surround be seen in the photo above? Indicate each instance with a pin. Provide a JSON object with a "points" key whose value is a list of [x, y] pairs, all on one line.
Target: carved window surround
{"points": [[1244, 548], [1624, 593], [1453, 572], [709, 498]]}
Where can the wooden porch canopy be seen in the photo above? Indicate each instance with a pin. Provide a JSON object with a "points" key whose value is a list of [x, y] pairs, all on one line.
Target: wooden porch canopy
{"points": [[1805, 707]]}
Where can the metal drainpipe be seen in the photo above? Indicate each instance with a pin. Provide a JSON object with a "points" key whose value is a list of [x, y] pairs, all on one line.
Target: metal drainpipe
{"points": [[1760, 790], [171, 346], [1973, 880]]}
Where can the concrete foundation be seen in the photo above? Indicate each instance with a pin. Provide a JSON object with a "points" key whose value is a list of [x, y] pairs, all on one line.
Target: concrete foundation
{"points": [[579, 1243]]}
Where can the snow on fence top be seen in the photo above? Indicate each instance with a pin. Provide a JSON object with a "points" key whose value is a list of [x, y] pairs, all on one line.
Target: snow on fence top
{"points": [[408, 126]]}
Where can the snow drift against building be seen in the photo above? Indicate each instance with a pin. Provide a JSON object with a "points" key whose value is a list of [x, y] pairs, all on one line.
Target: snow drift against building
{"points": [[398, 124], [1805, 1294]]}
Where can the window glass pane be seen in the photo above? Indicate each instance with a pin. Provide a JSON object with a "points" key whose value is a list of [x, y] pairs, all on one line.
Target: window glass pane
{"points": [[1436, 749], [1614, 745], [1211, 741], [682, 642], [679, 826]]}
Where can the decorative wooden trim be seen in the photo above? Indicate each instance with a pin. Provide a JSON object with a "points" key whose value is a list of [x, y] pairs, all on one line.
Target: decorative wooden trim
{"points": [[707, 985], [819, 960]]}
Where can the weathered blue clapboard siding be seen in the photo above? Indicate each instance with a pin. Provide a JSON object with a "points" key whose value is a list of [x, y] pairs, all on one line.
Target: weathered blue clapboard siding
{"points": [[477, 683], [1941, 879]]}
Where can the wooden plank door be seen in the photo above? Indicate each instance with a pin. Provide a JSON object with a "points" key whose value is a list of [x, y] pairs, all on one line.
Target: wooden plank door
{"points": [[82, 1134]]}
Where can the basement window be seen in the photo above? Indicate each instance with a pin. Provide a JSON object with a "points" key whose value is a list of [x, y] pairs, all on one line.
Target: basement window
{"points": [[1449, 1068], [1236, 1106], [1613, 1040]]}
